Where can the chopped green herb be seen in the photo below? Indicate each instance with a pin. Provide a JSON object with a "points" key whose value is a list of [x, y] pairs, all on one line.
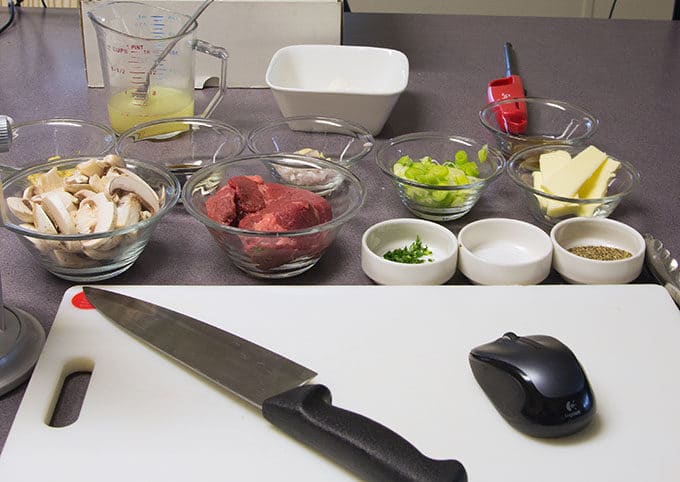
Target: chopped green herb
{"points": [[411, 254]]}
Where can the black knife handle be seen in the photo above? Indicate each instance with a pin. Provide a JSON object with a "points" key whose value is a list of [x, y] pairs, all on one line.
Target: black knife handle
{"points": [[363, 446]]}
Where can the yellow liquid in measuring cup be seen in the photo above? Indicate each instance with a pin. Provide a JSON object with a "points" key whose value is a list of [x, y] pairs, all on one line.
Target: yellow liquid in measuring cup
{"points": [[163, 102]]}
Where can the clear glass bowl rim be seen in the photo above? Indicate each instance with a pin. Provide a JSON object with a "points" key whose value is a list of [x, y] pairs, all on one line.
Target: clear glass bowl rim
{"points": [[362, 133], [199, 121], [487, 110]]}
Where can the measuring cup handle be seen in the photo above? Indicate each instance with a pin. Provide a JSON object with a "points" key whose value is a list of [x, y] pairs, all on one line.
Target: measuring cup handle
{"points": [[220, 53]]}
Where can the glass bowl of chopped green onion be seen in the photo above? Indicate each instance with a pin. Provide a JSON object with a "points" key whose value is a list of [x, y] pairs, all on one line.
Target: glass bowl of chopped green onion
{"points": [[439, 176], [328, 138]]}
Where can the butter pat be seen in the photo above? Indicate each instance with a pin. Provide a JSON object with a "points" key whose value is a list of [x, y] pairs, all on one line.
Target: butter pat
{"points": [[551, 162], [550, 206], [568, 179], [538, 185], [596, 186]]}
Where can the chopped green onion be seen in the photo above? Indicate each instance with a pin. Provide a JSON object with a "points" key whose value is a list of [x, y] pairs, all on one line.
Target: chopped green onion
{"points": [[430, 172], [461, 157], [482, 153]]}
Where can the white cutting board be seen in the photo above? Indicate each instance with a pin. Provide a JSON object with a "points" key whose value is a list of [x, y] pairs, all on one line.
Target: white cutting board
{"points": [[395, 354]]}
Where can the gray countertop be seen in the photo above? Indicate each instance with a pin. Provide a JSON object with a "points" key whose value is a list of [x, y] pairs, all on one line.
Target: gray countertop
{"points": [[627, 73]]}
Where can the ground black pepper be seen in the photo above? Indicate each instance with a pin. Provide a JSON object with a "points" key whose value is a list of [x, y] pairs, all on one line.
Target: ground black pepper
{"points": [[600, 253]]}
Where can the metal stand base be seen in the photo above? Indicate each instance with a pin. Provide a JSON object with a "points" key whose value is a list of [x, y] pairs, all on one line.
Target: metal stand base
{"points": [[21, 342]]}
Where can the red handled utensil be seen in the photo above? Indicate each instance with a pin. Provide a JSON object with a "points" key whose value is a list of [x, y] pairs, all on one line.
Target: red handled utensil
{"points": [[511, 116]]}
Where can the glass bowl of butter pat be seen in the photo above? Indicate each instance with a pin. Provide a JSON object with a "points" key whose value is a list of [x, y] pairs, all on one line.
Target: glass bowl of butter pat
{"points": [[566, 181]]}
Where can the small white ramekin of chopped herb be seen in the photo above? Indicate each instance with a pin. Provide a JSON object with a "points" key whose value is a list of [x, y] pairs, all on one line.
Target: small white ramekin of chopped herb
{"points": [[409, 251], [414, 253]]}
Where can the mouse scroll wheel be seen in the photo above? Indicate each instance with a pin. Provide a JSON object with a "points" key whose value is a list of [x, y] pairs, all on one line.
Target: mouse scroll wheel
{"points": [[510, 336]]}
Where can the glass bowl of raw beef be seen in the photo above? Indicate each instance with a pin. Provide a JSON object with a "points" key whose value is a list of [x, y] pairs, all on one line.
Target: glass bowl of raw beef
{"points": [[268, 225]]}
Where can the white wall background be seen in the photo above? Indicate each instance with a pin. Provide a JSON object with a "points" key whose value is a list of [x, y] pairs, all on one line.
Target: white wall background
{"points": [[625, 9]]}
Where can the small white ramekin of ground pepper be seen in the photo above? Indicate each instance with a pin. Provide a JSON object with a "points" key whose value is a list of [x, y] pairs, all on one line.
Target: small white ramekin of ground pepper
{"points": [[597, 251]]}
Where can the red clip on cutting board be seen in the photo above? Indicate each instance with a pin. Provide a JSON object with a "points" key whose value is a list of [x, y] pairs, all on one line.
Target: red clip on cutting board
{"points": [[511, 116]]}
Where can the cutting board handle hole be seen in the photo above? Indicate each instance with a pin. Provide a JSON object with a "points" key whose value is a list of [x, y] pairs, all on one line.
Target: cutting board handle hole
{"points": [[70, 397]]}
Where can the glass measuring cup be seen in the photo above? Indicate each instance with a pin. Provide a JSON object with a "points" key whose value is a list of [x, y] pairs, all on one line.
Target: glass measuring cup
{"points": [[131, 36]]}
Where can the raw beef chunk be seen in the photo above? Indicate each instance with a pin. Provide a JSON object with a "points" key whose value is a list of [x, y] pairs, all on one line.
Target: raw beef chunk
{"points": [[249, 203]]}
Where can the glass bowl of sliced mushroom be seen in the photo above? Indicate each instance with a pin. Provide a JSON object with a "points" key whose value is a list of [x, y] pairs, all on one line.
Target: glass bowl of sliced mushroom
{"points": [[88, 219]]}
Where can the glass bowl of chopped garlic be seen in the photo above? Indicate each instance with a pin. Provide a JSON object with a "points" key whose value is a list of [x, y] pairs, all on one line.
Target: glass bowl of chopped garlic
{"points": [[566, 181], [328, 138], [88, 219]]}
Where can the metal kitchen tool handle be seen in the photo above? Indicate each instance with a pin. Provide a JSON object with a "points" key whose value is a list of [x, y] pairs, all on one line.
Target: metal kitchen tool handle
{"points": [[144, 90], [220, 53], [5, 144], [663, 266]]}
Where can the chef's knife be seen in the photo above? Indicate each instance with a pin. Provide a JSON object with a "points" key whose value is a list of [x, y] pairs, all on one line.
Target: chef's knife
{"points": [[276, 385]]}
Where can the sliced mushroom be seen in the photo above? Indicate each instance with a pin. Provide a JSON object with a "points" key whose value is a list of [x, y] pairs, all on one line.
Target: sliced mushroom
{"points": [[83, 194], [29, 192], [36, 199], [111, 160], [74, 188], [86, 216], [72, 260], [90, 168], [54, 206], [49, 181], [99, 253], [67, 200], [76, 178], [128, 210], [42, 222], [97, 183], [42, 244], [105, 212], [130, 182], [21, 208]]}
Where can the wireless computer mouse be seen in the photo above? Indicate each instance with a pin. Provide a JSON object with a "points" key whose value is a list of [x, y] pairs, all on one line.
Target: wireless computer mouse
{"points": [[536, 383]]}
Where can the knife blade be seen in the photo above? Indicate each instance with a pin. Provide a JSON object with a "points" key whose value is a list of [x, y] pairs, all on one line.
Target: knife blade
{"points": [[277, 386]]}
